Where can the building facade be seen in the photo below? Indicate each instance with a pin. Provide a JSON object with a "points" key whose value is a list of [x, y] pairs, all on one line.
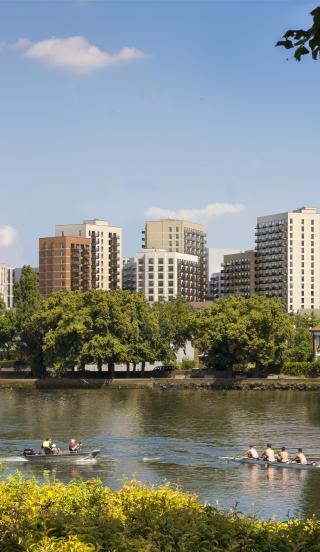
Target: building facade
{"points": [[129, 274], [288, 258], [162, 275], [6, 284], [238, 274], [64, 264], [106, 250], [215, 289], [180, 236]]}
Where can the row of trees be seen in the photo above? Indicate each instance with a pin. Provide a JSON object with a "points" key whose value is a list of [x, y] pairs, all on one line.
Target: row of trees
{"points": [[96, 327]]}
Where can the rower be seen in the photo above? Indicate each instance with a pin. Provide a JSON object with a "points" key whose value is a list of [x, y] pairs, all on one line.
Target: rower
{"points": [[268, 454], [283, 456], [47, 446], [252, 452], [300, 457], [74, 446]]}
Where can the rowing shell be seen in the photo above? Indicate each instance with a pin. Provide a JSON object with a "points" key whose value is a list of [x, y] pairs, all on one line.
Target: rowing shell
{"points": [[266, 463], [62, 457]]}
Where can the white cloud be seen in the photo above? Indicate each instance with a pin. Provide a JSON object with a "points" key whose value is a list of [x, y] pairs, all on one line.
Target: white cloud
{"points": [[74, 53], [8, 236], [210, 211]]}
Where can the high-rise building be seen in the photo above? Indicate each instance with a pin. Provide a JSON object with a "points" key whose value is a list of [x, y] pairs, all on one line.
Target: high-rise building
{"points": [[238, 274], [180, 236], [162, 275], [106, 250], [129, 274], [64, 264], [288, 258], [6, 284], [215, 289]]}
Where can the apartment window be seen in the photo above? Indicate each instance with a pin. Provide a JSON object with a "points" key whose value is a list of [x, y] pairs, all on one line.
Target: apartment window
{"points": [[302, 256], [302, 278], [302, 263], [291, 278], [312, 236], [291, 271], [302, 221], [312, 257], [291, 221], [312, 273], [312, 243], [291, 235], [177, 229], [302, 293], [291, 257], [291, 242], [312, 249], [151, 261], [312, 293], [291, 285], [160, 261], [302, 286], [170, 261], [291, 292], [302, 271], [312, 265], [150, 297]]}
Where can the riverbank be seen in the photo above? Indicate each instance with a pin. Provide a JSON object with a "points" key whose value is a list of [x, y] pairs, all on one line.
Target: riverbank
{"points": [[165, 384], [86, 516]]}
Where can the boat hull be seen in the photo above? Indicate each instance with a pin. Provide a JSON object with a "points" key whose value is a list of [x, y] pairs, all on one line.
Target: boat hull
{"points": [[62, 457], [287, 465]]}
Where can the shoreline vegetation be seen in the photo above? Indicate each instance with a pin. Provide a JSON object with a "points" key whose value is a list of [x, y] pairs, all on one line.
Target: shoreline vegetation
{"points": [[73, 329], [87, 517], [165, 384]]}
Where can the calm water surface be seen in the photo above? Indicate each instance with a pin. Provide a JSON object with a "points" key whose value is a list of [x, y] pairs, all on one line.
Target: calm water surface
{"points": [[176, 436]]}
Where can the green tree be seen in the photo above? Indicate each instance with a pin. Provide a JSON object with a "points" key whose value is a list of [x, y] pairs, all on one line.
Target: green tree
{"points": [[304, 42], [221, 332], [269, 329], [300, 344], [238, 331], [176, 321], [26, 296], [8, 330]]}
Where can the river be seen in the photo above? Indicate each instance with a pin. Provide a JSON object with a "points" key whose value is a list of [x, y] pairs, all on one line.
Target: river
{"points": [[176, 436]]}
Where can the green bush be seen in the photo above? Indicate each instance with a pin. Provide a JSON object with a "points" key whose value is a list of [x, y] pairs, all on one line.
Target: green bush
{"points": [[304, 369], [86, 517], [9, 363]]}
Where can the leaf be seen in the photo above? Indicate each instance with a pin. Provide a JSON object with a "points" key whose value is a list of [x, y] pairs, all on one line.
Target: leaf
{"points": [[301, 51]]}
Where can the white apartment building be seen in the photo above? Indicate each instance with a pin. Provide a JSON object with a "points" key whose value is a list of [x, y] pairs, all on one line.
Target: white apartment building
{"points": [[6, 284], [162, 275], [106, 253], [288, 258]]}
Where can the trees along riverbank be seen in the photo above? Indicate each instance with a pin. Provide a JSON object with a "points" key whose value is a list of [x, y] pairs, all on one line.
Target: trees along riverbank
{"points": [[71, 329], [86, 517]]}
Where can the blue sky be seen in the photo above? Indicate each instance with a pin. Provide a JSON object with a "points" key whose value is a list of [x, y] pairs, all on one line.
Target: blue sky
{"points": [[201, 109]]}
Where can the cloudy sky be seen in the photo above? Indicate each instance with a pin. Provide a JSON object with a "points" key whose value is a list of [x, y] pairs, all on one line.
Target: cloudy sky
{"points": [[133, 110]]}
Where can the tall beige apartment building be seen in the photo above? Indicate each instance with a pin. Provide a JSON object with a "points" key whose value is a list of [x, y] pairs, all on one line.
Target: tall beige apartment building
{"points": [[288, 258], [238, 274], [64, 264], [180, 236], [106, 250]]}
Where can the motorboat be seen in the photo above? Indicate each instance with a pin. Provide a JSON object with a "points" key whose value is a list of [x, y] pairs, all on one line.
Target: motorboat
{"points": [[266, 463], [63, 456]]}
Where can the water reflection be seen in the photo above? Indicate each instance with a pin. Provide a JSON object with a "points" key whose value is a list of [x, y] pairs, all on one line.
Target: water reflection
{"points": [[175, 436]]}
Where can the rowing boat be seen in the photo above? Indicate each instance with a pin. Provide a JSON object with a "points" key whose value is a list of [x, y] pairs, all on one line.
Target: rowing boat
{"points": [[61, 457], [266, 463]]}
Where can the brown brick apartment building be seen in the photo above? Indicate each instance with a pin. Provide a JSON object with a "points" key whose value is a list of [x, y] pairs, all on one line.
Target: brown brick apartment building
{"points": [[64, 264]]}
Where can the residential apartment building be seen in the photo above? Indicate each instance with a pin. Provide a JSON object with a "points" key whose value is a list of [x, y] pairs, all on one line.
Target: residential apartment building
{"points": [[6, 284], [180, 236], [64, 264], [288, 258], [238, 274], [106, 250], [129, 274], [215, 289], [162, 275]]}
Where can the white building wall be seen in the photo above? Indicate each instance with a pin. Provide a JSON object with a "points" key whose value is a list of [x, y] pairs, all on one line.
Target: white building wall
{"points": [[102, 232], [151, 263], [301, 245], [6, 284]]}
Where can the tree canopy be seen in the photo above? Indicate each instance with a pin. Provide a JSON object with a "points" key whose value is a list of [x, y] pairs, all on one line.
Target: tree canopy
{"points": [[304, 42]]}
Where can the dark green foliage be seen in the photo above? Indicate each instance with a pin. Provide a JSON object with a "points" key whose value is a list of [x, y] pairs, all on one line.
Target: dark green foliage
{"points": [[304, 41], [303, 369], [237, 331]]}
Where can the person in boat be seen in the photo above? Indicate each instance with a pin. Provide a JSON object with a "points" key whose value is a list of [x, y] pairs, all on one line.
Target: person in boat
{"points": [[252, 452], [300, 457], [74, 446], [268, 454], [47, 446], [283, 456], [55, 449]]}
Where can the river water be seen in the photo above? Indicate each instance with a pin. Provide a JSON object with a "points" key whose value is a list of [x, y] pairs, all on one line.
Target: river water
{"points": [[176, 436]]}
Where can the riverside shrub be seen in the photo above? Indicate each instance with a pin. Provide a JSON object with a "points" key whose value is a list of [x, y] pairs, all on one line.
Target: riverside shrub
{"points": [[304, 369], [86, 517]]}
